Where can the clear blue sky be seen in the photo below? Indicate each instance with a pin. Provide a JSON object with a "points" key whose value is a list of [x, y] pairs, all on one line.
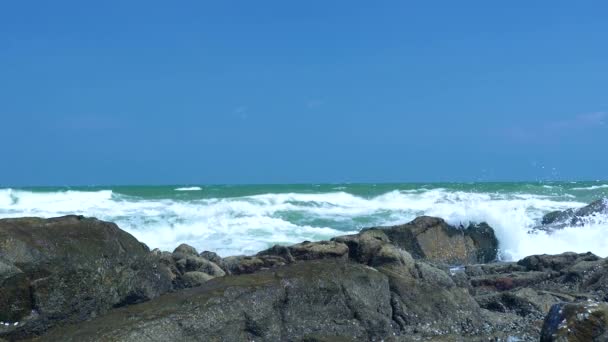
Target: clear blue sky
{"points": [[147, 92]]}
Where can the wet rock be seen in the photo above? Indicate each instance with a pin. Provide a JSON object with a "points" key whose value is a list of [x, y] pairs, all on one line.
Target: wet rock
{"points": [[69, 269], [574, 217], [576, 322]]}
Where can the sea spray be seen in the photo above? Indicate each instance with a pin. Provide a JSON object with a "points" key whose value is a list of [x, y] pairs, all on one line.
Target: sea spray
{"points": [[245, 219]]}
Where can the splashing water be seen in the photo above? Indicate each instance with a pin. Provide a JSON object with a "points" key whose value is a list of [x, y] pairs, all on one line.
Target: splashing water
{"points": [[245, 219]]}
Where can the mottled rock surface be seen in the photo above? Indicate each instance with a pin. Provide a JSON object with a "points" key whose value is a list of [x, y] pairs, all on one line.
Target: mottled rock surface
{"points": [[576, 322], [70, 269], [432, 239]]}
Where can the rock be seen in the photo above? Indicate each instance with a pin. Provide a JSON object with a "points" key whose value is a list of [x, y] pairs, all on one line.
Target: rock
{"points": [[576, 322], [279, 251], [555, 262], [195, 278], [69, 269], [363, 247], [196, 263], [389, 254], [320, 299], [211, 256], [574, 217], [250, 264], [318, 250], [432, 239], [15, 298], [183, 251], [315, 300], [386, 283], [525, 302]]}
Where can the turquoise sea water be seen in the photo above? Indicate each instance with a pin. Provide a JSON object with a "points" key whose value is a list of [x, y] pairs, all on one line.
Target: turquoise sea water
{"points": [[243, 219]]}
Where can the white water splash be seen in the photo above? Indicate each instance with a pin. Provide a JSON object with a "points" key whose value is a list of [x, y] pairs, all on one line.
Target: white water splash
{"points": [[245, 225]]}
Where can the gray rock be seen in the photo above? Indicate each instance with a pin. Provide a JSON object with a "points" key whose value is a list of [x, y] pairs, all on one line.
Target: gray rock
{"points": [[318, 300], [195, 263], [70, 269], [304, 300], [318, 250], [574, 217], [183, 251], [432, 239], [195, 278]]}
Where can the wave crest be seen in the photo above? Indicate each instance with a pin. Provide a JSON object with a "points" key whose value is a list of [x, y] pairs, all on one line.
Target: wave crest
{"points": [[247, 224]]}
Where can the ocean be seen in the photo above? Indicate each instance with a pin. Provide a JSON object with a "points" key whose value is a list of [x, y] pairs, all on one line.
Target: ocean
{"points": [[244, 219]]}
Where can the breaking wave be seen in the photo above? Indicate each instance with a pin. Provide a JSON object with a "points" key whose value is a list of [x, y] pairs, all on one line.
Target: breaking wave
{"points": [[189, 188], [247, 224]]}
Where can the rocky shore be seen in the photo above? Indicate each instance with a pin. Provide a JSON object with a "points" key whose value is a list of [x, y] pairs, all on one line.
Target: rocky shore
{"points": [[81, 279]]}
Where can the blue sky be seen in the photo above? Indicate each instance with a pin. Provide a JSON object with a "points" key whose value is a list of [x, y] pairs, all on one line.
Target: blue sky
{"points": [[152, 92]]}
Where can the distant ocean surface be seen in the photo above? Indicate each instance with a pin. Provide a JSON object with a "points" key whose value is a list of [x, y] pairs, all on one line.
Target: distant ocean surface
{"points": [[244, 219]]}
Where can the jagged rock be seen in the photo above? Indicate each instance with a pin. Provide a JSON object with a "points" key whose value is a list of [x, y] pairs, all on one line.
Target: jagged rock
{"points": [[558, 262], [363, 247], [431, 238], [70, 269], [576, 322], [574, 217]]}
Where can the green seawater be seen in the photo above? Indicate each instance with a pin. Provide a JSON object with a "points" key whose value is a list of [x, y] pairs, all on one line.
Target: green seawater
{"points": [[243, 219], [583, 191]]}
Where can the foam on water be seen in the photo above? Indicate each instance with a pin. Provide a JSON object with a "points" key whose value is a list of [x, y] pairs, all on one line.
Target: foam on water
{"points": [[247, 224], [189, 188], [593, 187]]}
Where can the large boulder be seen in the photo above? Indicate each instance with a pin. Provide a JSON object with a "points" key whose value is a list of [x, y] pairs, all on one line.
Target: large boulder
{"points": [[70, 269], [432, 239], [313, 300]]}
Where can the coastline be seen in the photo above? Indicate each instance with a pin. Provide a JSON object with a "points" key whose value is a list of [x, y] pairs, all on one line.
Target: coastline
{"points": [[387, 283]]}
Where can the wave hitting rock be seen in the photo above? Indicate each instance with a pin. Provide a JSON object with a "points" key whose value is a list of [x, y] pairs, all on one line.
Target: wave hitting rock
{"points": [[81, 279]]}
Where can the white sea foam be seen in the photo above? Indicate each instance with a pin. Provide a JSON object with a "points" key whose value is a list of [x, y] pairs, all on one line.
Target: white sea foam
{"points": [[245, 225], [593, 187], [189, 188]]}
